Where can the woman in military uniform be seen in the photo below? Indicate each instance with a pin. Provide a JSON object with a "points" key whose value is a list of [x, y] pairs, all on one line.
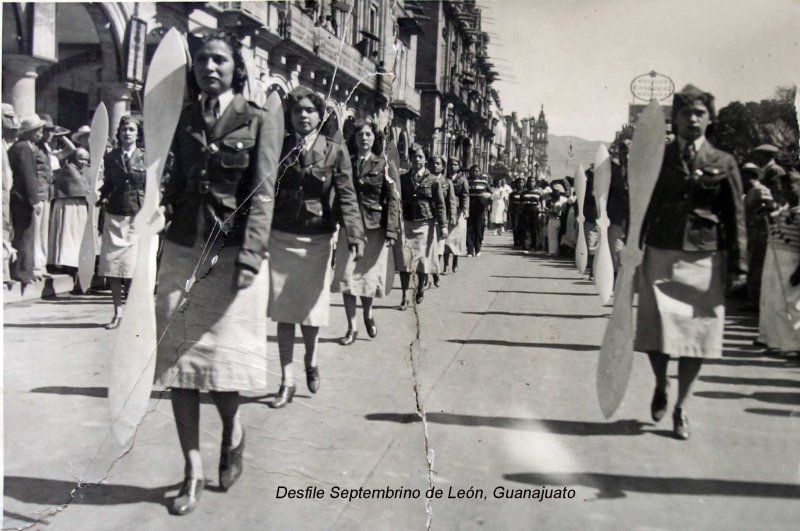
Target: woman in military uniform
{"points": [[375, 179], [695, 244], [423, 210], [456, 241], [121, 194], [315, 191], [451, 205], [212, 281]]}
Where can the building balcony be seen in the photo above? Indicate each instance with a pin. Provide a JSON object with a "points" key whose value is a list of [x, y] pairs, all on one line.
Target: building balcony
{"points": [[406, 98], [300, 30], [244, 14]]}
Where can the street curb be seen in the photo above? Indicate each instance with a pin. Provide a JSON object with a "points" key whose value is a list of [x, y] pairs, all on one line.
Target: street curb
{"points": [[48, 286]]}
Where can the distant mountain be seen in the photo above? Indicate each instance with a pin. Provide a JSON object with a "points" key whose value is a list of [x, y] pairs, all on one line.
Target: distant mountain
{"points": [[558, 149]]}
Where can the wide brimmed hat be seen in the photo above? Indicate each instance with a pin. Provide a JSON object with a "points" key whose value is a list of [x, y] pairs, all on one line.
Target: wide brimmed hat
{"points": [[78, 136], [10, 118], [558, 188], [767, 148], [31, 123]]}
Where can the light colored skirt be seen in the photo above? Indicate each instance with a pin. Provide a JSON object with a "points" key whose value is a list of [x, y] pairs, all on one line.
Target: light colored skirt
{"points": [[456, 240], [420, 247], [300, 278], [214, 337], [779, 299], [498, 214], [67, 223], [553, 228], [570, 238], [119, 248], [681, 303], [367, 277]]}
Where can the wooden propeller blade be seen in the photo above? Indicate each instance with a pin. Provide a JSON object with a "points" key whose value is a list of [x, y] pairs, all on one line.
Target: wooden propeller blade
{"points": [[616, 353], [581, 250], [98, 138], [603, 265], [133, 358]]}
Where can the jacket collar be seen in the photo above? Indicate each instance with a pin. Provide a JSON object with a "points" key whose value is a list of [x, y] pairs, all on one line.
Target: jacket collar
{"points": [[369, 164], [235, 116]]}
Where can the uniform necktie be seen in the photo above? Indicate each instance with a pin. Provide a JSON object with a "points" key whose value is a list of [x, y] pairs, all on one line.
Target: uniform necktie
{"points": [[126, 159], [211, 112], [688, 154]]}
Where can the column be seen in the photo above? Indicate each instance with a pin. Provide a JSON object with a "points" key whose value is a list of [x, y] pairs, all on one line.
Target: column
{"points": [[117, 97], [19, 82]]}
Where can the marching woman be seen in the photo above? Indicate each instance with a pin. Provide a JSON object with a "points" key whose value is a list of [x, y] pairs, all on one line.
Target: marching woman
{"points": [[780, 285], [423, 210], [499, 204], [695, 243], [455, 243], [69, 211], [122, 194], [212, 280], [315, 191], [450, 203], [375, 180]]}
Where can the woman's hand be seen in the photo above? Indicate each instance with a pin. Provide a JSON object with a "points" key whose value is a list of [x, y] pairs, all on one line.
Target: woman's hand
{"points": [[390, 242], [444, 232], [244, 277], [356, 250]]}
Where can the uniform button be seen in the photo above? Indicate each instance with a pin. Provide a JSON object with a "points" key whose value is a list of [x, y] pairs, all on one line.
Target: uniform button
{"points": [[203, 173], [239, 145]]}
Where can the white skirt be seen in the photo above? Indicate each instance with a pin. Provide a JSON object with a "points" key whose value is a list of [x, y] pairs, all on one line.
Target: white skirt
{"points": [[67, 224], [119, 248]]}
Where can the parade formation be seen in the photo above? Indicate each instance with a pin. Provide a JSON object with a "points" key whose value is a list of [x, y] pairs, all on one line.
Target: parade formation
{"points": [[219, 211]]}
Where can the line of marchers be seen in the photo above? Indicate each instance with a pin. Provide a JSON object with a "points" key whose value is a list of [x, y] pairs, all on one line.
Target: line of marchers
{"points": [[388, 493]]}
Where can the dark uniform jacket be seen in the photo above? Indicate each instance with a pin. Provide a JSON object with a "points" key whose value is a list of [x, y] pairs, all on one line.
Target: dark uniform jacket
{"points": [[123, 184], [423, 198], [44, 173], [450, 199], [315, 190], [25, 189], [224, 177], [68, 183], [377, 193], [461, 188], [698, 208]]}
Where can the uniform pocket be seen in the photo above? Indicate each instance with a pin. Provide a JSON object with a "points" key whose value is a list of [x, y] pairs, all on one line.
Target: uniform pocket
{"points": [[235, 152]]}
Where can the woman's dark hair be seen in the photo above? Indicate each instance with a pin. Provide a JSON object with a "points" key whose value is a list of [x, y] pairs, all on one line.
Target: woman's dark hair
{"points": [[358, 125], [294, 97], [434, 159], [239, 70], [128, 119]]}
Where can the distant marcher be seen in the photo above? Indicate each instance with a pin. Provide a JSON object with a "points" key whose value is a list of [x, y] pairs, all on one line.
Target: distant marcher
{"points": [[456, 241], [437, 168], [499, 207], [557, 205], [10, 133], [122, 195], [479, 195], [423, 212], [758, 205]]}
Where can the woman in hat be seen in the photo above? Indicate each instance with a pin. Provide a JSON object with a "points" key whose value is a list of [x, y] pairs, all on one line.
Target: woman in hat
{"points": [[375, 179], [69, 211], [26, 203], [695, 244], [423, 211], [212, 280], [315, 192], [121, 195]]}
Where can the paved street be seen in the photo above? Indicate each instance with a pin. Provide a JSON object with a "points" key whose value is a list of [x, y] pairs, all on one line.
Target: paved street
{"points": [[503, 365]]}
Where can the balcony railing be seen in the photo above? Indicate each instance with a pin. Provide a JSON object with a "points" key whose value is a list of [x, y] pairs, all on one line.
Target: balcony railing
{"points": [[325, 45]]}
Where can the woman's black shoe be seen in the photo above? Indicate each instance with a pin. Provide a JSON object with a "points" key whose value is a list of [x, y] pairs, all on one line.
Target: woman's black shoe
{"points": [[285, 396], [372, 328], [420, 296], [230, 464], [312, 376], [403, 305], [187, 498], [658, 407], [436, 280], [680, 424], [349, 338]]}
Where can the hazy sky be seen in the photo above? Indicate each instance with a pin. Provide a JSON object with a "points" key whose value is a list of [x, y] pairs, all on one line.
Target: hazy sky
{"points": [[578, 57]]}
